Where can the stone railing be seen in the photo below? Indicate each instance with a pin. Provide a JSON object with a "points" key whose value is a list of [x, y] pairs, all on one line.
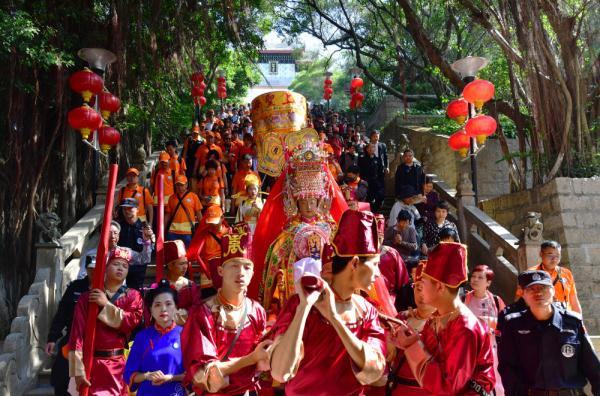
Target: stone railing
{"points": [[489, 243], [22, 355]]}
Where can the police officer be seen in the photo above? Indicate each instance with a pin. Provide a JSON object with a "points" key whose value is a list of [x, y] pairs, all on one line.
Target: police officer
{"points": [[544, 350], [58, 336]]}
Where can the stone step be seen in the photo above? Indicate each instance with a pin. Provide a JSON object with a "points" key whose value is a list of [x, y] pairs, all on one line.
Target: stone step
{"points": [[42, 390]]}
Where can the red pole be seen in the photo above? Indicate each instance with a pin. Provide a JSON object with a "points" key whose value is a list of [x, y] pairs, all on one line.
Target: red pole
{"points": [[98, 278], [160, 228]]}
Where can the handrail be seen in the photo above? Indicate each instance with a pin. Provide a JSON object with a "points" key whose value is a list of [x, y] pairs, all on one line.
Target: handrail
{"points": [[505, 239], [22, 355]]}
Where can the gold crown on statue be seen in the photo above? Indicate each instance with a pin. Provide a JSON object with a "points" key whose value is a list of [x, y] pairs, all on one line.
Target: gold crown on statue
{"points": [[306, 172]]}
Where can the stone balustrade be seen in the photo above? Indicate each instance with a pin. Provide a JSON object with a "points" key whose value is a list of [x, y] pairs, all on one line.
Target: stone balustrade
{"points": [[22, 355]]}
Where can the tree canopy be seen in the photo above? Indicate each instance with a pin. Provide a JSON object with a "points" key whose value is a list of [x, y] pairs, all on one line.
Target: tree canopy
{"points": [[158, 44], [544, 62]]}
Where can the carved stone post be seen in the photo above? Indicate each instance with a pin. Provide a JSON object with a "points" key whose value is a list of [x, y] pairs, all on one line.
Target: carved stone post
{"points": [[49, 258], [464, 197], [530, 241]]}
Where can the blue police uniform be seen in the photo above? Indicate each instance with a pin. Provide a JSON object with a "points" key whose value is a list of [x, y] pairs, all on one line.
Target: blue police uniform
{"points": [[553, 357]]}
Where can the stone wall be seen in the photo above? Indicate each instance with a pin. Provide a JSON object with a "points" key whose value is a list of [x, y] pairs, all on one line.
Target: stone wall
{"points": [[569, 209], [432, 149]]}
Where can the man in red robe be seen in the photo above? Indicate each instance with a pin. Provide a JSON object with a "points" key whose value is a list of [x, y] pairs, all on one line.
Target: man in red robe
{"points": [[453, 353], [120, 313], [392, 267], [331, 342], [221, 339]]}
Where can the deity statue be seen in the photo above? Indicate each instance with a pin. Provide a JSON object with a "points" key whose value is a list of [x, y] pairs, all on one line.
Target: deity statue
{"points": [[303, 196]]}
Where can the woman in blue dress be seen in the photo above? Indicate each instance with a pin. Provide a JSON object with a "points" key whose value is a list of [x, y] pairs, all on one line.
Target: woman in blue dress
{"points": [[154, 365]]}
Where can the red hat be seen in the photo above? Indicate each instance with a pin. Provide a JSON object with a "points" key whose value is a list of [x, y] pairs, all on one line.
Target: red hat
{"points": [[419, 271], [174, 250], [236, 243], [356, 234], [447, 263], [121, 253]]}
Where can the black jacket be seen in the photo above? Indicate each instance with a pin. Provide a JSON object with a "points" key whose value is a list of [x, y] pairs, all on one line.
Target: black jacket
{"points": [[64, 315], [409, 175]]}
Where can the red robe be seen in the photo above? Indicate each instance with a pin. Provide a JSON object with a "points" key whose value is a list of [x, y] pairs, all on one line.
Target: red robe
{"points": [[393, 271], [458, 352], [107, 373], [326, 368], [205, 339]]}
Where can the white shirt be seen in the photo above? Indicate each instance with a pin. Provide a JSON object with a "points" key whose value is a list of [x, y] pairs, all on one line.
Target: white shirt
{"points": [[398, 206]]}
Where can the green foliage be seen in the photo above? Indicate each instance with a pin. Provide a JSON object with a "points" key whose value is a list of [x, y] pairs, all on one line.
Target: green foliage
{"points": [[20, 33]]}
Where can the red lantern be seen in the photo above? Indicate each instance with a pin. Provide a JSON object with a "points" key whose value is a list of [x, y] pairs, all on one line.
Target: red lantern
{"points": [[109, 103], [481, 127], [85, 119], [356, 83], [202, 86], [458, 110], [328, 82], [328, 91], [108, 137], [459, 141], [197, 78], [221, 80], [86, 83], [352, 104], [197, 91], [478, 92], [326, 97], [352, 90], [201, 100], [358, 98]]}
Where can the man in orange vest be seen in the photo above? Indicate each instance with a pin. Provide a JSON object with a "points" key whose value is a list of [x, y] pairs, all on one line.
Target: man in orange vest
{"points": [[133, 190], [183, 211]]}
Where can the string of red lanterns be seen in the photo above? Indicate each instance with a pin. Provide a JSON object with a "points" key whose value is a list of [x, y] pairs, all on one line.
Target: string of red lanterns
{"points": [[198, 88], [327, 89], [84, 118], [356, 98], [221, 87], [480, 127]]}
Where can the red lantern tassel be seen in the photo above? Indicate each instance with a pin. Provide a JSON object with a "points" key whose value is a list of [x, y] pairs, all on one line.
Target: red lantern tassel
{"points": [[98, 278]]}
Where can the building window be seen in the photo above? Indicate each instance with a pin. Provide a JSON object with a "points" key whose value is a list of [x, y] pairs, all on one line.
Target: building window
{"points": [[273, 67]]}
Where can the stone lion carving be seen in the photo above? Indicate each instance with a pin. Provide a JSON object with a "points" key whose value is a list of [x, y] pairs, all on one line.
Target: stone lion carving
{"points": [[47, 224], [533, 227]]}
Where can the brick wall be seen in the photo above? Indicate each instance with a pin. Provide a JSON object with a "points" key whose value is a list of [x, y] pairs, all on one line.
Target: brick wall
{"points": [[569, 210]]}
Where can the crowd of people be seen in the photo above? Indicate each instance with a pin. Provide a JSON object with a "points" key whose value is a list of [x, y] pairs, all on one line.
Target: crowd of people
{"points": [[311, 291]]}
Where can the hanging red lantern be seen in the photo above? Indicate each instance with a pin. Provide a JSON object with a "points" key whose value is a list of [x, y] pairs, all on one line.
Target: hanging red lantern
{"points": [[328, 81], [221, 80], [481, 127], [352, 104], [108, 103], [87, 83], [197, 78], [326, 97], [202, 86], [478, 92], [108, 137], [197, 91], [458, 110], [356, 83], [201, 100], [84, 119], [460, 141], [328, 91], [358, 98]]}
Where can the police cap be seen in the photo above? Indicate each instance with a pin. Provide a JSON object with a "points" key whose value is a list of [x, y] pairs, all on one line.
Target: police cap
{"points": [[530, 278]]}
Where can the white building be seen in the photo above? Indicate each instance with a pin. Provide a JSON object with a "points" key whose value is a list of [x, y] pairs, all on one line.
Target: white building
{"points": [[278, 69]]}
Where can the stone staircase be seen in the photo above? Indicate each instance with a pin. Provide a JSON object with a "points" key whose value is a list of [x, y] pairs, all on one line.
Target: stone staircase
{"points": [[43, 387]]}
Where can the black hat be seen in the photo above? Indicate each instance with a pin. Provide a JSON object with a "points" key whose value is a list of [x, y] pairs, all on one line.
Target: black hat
{"points": [[530, 278], [129, 203], [406, 191]]}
